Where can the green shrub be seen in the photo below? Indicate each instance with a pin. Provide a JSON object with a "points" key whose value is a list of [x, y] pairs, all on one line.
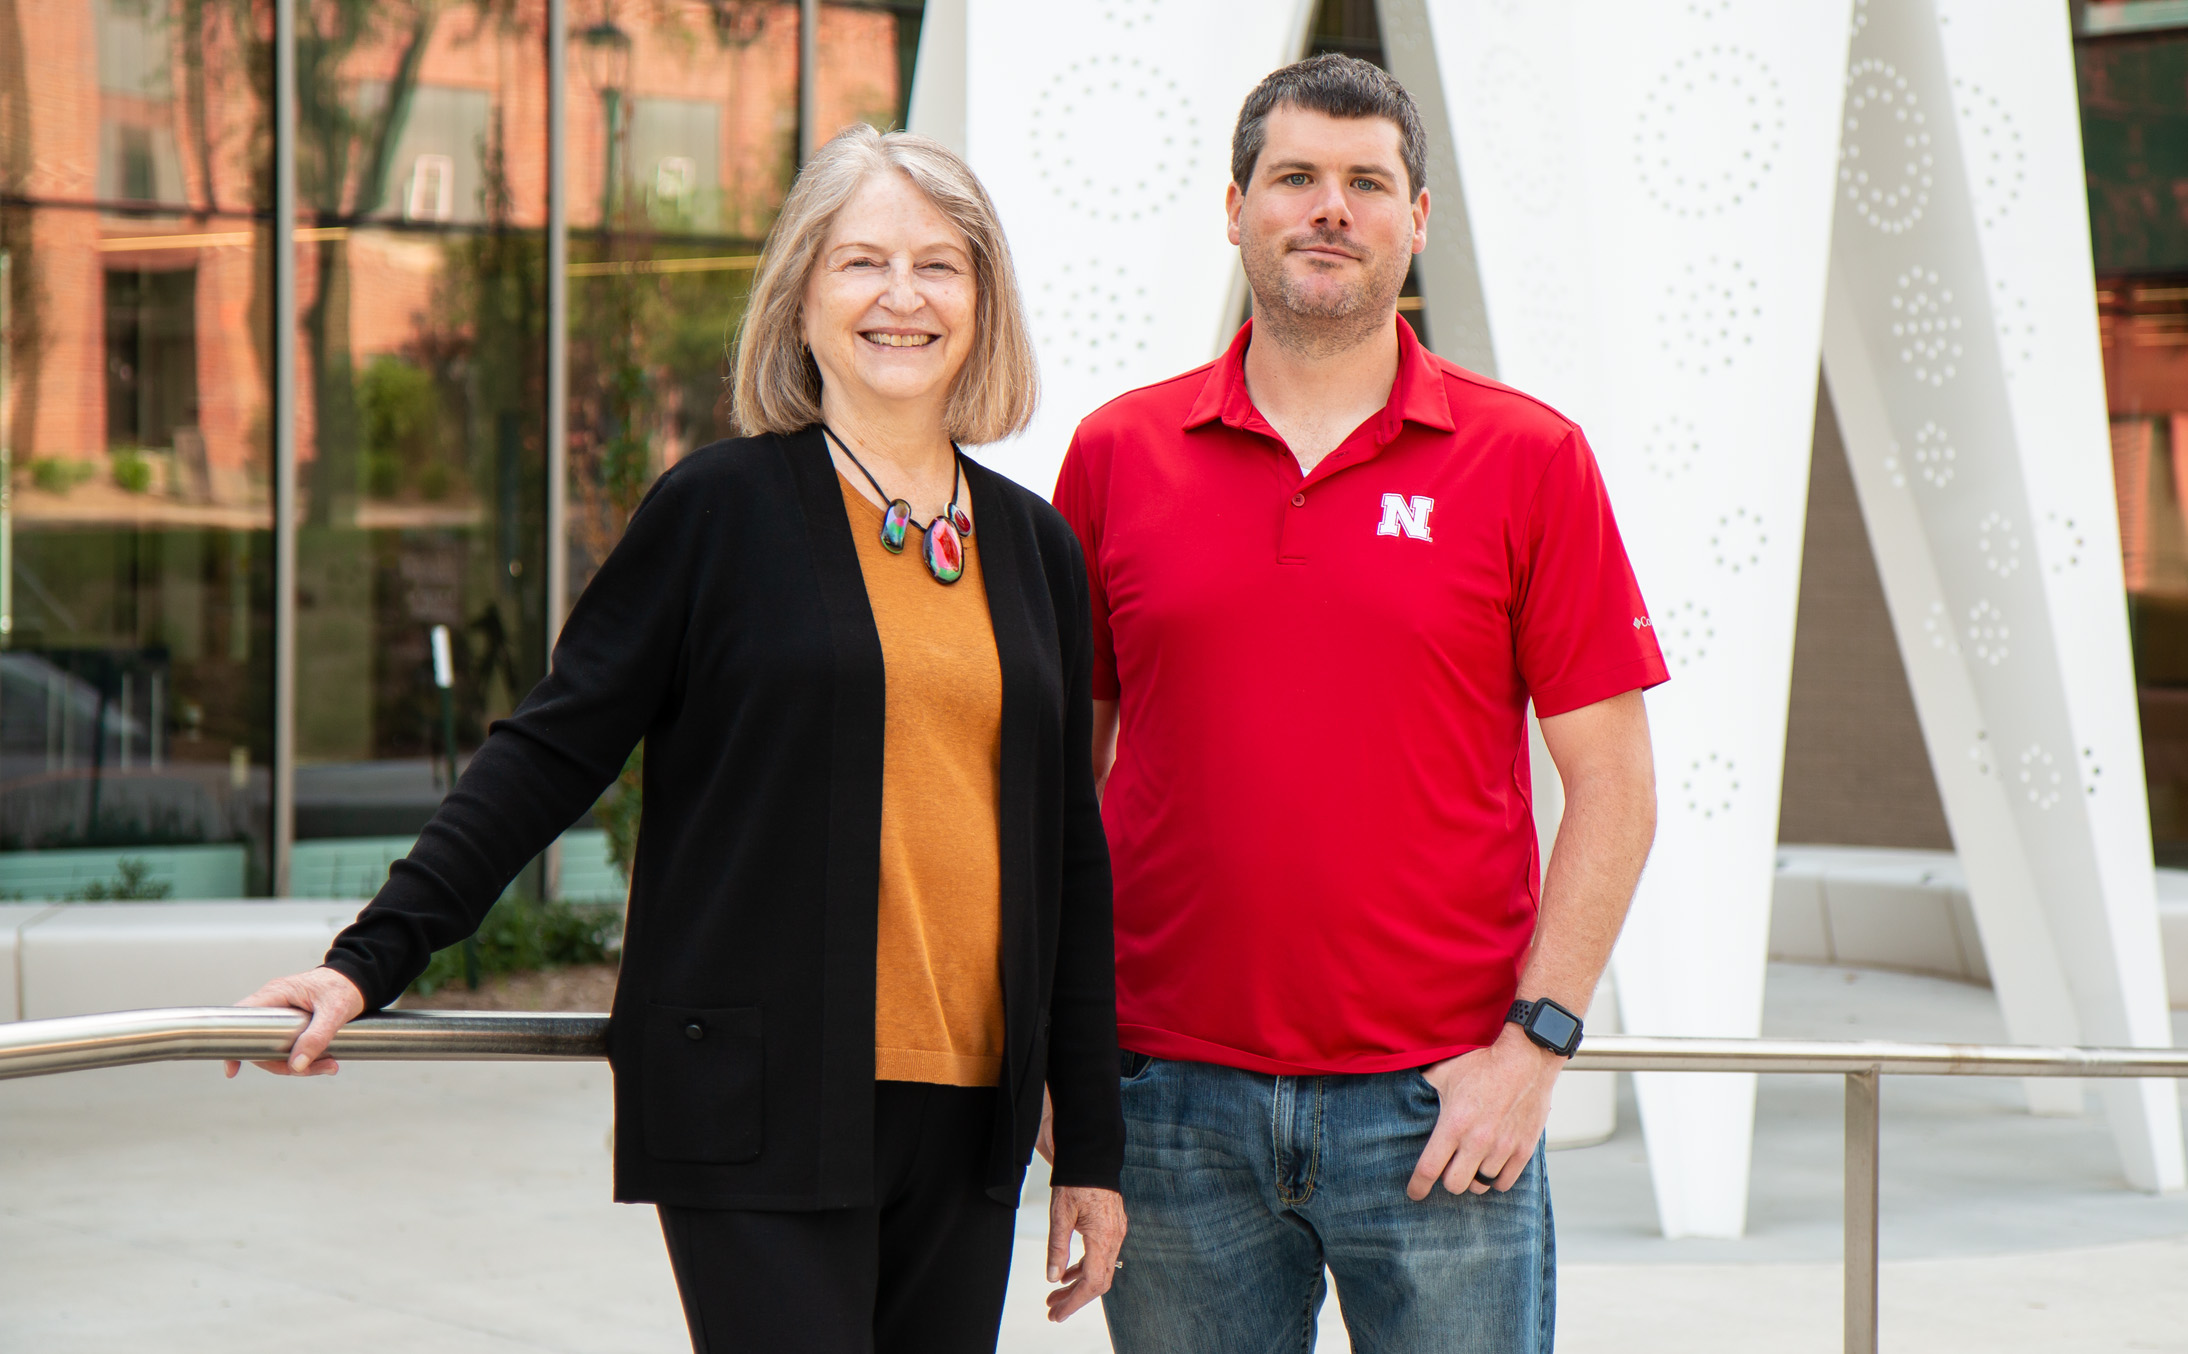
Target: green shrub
{"points": [[132, 473], [58, 475], [522, 934], [132, 882], [400, 424], [383, 474]]}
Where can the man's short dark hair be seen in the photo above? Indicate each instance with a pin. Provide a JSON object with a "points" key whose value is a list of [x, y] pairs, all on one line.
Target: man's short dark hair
{"points": [[1339, 86]]}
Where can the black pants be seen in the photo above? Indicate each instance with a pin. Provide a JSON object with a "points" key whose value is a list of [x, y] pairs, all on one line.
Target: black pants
{"points": [[922, 1273]]}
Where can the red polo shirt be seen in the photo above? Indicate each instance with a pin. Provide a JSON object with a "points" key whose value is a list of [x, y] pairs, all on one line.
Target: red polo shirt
{"points": [[1319, 815]]}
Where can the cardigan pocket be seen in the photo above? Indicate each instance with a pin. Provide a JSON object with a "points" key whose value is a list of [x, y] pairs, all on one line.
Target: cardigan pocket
{"points": [[702, 1083]]}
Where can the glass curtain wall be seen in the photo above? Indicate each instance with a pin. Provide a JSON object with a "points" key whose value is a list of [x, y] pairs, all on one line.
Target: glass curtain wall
{"points": [[137, 334], [421, 360], [137, 414], [684, 132], [135, 531], [2134, 91]]}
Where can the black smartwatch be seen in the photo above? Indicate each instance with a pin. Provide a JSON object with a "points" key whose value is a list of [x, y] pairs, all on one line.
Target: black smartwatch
{"points": [[1548, 1024]]}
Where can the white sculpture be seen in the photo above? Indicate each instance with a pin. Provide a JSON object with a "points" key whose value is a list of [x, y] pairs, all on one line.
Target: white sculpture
{"points": [[1961, 348], [1103, 131], [1649, 186], [1638, 210]]}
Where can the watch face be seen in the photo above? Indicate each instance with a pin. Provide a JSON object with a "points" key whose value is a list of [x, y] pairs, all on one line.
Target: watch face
{"points": [[1554, 1025]]}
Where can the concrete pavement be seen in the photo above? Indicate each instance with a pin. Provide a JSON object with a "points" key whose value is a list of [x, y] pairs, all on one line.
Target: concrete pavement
{"points": [[460, 1209]]}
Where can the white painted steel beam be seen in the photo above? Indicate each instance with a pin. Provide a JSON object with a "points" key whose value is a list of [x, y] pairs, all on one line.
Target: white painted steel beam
{"points": [[1103, 132], [1649, 184], [1647, 241], [1962, 355]]}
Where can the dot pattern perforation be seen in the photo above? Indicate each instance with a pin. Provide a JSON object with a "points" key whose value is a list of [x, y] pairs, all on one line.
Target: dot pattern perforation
{"points": [[1685, 633], [1115, 138], [1710, 315], [1886, 168], [1938, 627], [1926, 327], [2016, 327], [1738, 541], [1673, 447], [1092, 317], [1708, 131], [1127, 14], [1710, 786], [2041, 779], [1991, 141], [2063, 543], [1998, 544], [1519, 128], [1987, 633], [1934, 455]]}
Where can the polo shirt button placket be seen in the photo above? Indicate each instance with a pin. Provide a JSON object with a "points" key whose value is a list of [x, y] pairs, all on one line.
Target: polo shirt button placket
{"points": [[1291, 546]]}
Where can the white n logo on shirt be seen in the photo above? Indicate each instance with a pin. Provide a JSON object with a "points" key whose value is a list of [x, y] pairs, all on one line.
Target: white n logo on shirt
{"points": [[1411, 519]]}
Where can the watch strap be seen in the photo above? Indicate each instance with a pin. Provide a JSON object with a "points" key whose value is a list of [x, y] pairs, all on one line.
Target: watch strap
{"points": [[1523, 1014]]}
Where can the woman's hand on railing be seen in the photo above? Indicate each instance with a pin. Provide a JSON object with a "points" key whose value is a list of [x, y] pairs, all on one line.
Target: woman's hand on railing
{"points": [[330, 999]]}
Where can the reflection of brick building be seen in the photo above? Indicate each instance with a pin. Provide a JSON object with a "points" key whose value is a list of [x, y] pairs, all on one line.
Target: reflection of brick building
{"points": [[111, 160], [142, 293]]}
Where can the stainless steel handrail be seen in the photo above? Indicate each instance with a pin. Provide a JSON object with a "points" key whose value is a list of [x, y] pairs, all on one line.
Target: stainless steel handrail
{"points": [[1645, 1053], [33, 1048], [38, 1047]]}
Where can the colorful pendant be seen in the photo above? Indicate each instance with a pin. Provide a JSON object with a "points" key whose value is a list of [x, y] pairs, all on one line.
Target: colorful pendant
{"points": [[896, 523], [944, 551], [961, 519]]}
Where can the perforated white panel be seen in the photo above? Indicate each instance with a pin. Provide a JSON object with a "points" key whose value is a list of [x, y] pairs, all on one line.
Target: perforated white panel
{"points": [[1654, 190], [1103, 132], [1960, 270], [1650, 184]]}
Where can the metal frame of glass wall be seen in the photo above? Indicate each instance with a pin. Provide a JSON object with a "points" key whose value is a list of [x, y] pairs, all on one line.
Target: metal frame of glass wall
{"points": [[285, 320]]}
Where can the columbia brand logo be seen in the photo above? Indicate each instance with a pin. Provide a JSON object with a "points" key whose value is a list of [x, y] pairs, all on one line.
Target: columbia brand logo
{"points": [[1642, 623], [1403, 517]]}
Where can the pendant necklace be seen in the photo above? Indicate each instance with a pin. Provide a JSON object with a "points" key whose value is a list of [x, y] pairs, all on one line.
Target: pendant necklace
{"points": [[942, 541]]}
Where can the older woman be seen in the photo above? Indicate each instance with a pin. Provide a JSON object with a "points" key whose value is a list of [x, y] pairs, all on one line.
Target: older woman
{"points": [[869, 919]]}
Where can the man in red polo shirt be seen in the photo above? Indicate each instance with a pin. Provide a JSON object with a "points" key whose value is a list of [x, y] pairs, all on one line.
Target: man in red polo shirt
{"points": [[1329, 572]]}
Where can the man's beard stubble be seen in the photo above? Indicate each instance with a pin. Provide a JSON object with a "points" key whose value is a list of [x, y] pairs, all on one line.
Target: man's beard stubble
{"points": [[1319, 327]]}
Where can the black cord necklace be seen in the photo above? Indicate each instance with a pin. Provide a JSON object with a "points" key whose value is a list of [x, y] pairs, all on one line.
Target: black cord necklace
{"points": [[942, 541]]}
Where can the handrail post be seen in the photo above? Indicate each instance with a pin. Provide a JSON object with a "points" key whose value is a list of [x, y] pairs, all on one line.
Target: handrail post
{"points": [[1861, 1211]]}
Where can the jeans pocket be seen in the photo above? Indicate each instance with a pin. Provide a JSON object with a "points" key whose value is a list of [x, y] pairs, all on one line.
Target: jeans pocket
{"points": [[702, 1070], [1132, 1066]]}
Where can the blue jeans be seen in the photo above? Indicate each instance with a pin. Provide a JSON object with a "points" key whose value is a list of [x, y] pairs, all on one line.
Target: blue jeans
{"points": [[1240, 1187]]}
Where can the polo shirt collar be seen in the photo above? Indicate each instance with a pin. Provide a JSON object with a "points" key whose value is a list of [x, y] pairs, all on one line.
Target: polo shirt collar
{"points": [[1416, 396]]}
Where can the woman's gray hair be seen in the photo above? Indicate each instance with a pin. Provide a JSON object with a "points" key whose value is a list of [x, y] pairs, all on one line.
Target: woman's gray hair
{"points": [[776, 387]]}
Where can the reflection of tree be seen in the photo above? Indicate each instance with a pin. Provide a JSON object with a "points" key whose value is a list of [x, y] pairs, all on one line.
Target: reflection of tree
{"points": [[647, 350], [481, 351], [194, 17], [344, 149], [15, 234], [648, 360]]}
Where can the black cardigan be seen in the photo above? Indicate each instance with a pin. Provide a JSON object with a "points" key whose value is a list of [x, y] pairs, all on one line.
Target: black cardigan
{"points": [[730, 629]]}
